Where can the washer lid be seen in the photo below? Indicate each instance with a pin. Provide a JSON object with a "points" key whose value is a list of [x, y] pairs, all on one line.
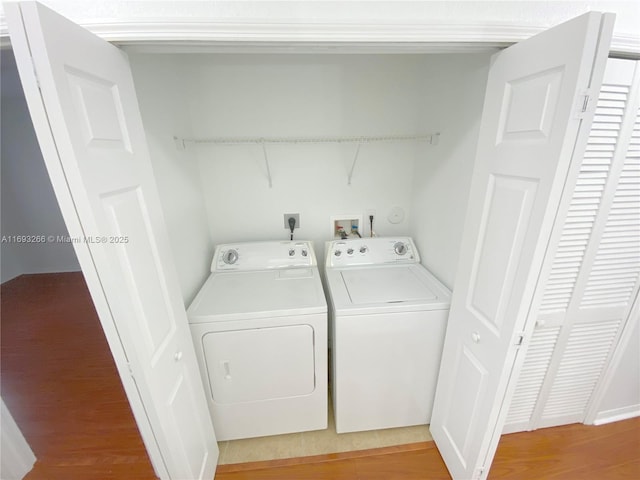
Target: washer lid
{"points": [[385, 289], [386, 285]]}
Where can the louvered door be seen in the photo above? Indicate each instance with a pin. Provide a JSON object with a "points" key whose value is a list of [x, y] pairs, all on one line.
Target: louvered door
{"points": [[595, 275]]}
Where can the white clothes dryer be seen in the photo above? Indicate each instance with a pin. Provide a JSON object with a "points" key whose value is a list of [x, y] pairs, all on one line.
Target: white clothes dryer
{"points": [[388, 318], [259, 325]]}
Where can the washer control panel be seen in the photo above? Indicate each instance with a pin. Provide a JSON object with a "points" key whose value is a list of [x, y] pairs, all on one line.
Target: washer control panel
{"points": [[371, 251], [263, 256]]}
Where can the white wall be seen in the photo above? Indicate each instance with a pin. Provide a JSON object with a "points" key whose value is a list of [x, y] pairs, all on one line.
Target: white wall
{"points": [[161, 89], [312, 95], [29, 206], [297, 95], [453, 106]]}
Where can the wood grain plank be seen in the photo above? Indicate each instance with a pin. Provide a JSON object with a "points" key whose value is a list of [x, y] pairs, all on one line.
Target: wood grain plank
{"points": [[570, 451], [416, 465], [323, 470], [60, 382]]}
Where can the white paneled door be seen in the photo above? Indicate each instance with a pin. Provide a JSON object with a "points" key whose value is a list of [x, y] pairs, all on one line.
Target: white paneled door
{"points": [[536, 118], [84, 108]]}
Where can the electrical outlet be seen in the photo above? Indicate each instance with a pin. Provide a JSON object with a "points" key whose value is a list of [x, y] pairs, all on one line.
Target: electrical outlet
{"points": [[287, 216], [368, 222]]}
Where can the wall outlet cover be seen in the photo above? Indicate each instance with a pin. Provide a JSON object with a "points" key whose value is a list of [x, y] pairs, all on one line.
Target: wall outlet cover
{"points": [[287, 216]]}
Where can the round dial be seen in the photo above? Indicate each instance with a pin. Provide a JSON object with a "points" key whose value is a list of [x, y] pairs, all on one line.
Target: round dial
{"points": [[337, 253], [292, 252], [400, 248], [363, 249], [230, 257], [350, 251]]}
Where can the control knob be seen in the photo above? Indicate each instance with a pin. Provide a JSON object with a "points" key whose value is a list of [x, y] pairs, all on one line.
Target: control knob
{"points": [[337, 253], [400, 248], [363, 249], [350, 251], [230, 257], [292, 252]]}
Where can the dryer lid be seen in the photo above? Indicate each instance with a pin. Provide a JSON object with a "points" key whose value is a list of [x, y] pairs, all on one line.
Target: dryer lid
{"points": [[243, 295], [386, 285]]}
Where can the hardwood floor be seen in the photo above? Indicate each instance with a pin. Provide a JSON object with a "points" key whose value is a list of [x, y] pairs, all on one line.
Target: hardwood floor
{"points": [[60, 384], [580, 452], [575, 451]]}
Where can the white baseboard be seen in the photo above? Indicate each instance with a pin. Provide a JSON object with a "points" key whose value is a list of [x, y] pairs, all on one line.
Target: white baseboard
{"points": [[617, 414], [17, 457]]}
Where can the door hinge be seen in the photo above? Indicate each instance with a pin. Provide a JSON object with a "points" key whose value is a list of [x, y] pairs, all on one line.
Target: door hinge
{"points": [[130, 369], [519, 339], [584, 104]]}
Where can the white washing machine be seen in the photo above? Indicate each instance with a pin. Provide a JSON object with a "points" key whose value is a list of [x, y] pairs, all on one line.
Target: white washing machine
{"points": [[388, 318], [259, 325]]}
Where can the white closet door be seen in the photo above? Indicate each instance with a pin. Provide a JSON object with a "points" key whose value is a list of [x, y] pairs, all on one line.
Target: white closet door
{"points": [[86, 116], [595, 276], [531, 127]]}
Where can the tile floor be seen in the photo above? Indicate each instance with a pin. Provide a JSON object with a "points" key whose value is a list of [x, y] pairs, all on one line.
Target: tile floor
{"points": [[316, 443]]}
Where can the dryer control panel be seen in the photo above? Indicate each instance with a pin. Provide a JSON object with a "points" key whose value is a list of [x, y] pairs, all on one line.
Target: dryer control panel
{"points": [[263, 256], [371, 251]]}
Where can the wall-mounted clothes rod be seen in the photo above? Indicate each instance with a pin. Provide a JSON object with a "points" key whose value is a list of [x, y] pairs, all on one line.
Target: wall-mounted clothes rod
{"points": [[432, 138]]}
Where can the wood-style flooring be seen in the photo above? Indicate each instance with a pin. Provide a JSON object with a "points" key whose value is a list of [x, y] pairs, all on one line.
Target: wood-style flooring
{"points": [[60, 383], [571, 452]]}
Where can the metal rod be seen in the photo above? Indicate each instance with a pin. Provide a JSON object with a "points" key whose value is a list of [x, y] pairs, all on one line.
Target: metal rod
{"points": [[431, 137]]}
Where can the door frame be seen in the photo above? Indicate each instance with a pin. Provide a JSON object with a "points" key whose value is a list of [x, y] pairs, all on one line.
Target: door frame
{"points": [[253, 30], [366, 38]]}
